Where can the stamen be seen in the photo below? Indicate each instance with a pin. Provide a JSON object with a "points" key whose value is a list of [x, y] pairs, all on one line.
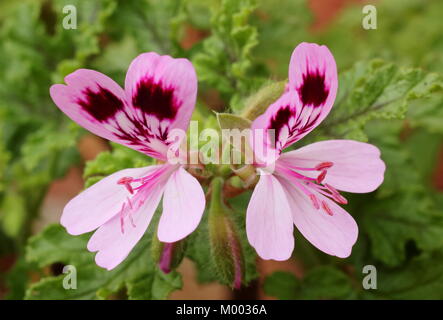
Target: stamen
{"points": [[331, 188], [314, 201], [340, 199], [307, 183], [129, 187], [297, 175], [321, 177], [122, 217], [126, 181], [324, 165], [301, 185], [329, 192], [129, 202], [299, 168], [131, 220], [326, 208]]}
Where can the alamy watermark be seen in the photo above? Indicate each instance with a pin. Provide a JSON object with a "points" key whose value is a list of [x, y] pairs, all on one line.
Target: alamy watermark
{"points": [[70, 20], [226, 146], [70, 280], [369, 17], [370, 280]]}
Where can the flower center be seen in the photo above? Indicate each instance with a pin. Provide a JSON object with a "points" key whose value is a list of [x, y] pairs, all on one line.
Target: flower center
{"points": [[307, 184], [136, 198]]}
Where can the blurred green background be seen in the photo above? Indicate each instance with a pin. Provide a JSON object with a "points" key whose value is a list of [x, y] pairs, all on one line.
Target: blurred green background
{"points": [[390, 94]]}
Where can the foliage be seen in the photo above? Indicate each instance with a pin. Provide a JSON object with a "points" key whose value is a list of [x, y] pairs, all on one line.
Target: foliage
{"points": [[137, 274], [390, 94]]}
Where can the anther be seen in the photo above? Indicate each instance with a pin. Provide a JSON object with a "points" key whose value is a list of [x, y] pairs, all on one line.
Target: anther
{"points": [[131, 220], [122, 216], [129, 203], [314, 201], [126, 181], [324, 165], [331, 188], [340, 199], [321, 177], [326, 208]]}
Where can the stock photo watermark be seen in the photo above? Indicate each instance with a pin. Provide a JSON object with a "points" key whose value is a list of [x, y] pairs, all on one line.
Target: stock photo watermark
{"points": [[226, 146], [370, 280], [369, 21], [70, 280], [70, 20]]}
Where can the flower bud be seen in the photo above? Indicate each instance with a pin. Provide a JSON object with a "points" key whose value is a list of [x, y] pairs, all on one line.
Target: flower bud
{"points": [[167, 255], [226, 249], [262, 99]]}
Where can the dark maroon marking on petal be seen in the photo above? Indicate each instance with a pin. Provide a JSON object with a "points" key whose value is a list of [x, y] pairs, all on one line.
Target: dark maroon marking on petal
{"points": [[280, 119], [301, 125], [313, 91], [102, 104], [141, 134], [155, 99]]}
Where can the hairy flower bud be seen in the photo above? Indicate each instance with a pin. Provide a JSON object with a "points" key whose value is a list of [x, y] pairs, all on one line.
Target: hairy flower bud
{"points": [[167, 255], [225, 245], [260, 101]]}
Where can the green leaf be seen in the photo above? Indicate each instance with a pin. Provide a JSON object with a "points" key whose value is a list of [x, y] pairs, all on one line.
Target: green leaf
{"points": [[151, 25], [399, 21], [392, 222], [327, 282], [41, 146], [281, 28], [14, 215], [137, 272], [55, 245], [17, 279], [224, 61], [154, 286], [323, 282], [376, 90], [405, 209], [421, 278], [282, 285]]}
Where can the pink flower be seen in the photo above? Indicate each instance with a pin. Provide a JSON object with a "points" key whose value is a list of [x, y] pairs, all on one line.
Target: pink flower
{"points": [[159, 96], [304, 186]]}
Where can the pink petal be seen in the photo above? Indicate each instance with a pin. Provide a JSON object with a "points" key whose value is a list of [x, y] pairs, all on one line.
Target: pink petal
{"points": [[162, 90], [269, 223], [99, 105], [357, 166], [100, 202], [91, 99], [112, 244], [313, 74], [334, 235], [160, 96], [279, 126], [183, 206], [307, 100]]}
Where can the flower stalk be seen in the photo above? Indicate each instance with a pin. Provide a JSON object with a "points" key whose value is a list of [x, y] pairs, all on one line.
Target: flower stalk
{"points": [[226, 249]]}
